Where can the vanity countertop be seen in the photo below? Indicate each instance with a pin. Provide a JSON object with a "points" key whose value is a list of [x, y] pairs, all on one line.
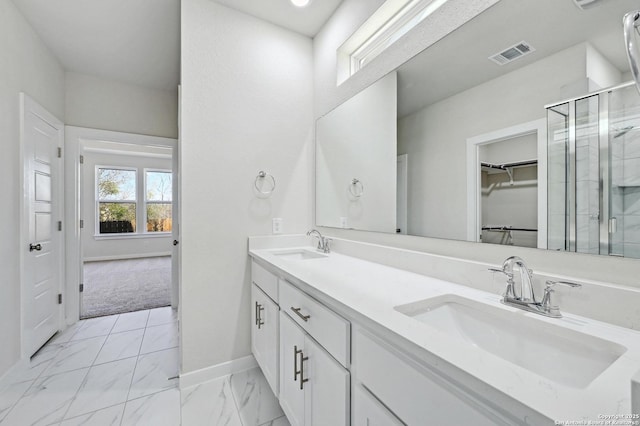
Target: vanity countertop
{"points": [[373, 290]]}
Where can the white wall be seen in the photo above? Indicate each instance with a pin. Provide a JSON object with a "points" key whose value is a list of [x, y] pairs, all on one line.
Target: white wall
{"points": [[357, 140], [246, 106], [122, 247], [347, 18], [25, 65], [97, 103]]}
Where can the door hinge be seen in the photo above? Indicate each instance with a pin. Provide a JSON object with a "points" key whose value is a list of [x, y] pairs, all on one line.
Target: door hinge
{"points": [[59, 152], [59, 225], [82, 159], [59, 298], [81, 287], [81, 223]]}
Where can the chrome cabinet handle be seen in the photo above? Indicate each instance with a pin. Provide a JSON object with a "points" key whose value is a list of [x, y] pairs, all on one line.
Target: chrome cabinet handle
{"points": [[302, 379], [305, 318], [36, 247], [295, 363], [630, 22], [259, 309], [300, 372]]}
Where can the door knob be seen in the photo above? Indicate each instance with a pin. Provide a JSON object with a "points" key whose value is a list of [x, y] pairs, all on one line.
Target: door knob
{"points": [[175, 242], [36, 247]]}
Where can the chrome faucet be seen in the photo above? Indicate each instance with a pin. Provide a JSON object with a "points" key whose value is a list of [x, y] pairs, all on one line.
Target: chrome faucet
{"points": [[324, 243], [526, 300]]}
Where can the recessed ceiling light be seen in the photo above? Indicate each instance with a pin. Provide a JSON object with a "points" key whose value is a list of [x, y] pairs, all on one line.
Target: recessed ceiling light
{"points": [[300, 3]]}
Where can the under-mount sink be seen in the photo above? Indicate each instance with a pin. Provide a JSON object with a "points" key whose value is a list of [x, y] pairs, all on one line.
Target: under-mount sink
{"points": [[560, 354], [299, 254]]}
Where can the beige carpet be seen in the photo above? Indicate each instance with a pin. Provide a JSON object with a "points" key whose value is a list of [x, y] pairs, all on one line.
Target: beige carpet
{"points": [[117, 286]]}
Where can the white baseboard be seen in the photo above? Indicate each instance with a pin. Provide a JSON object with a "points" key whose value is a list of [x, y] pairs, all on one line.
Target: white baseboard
{"points": [[216, 371], [125, 256]]}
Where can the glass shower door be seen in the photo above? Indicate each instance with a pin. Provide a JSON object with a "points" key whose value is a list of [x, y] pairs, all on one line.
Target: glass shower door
{"points": [[594, 174], [624, 188]]}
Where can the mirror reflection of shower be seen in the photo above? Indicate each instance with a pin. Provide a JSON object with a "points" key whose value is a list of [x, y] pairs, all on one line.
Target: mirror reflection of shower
{"points": [[594, 173]]}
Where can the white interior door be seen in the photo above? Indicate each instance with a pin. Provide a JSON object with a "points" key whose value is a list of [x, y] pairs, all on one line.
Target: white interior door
{"points": [[42, 138], [175, 219]]}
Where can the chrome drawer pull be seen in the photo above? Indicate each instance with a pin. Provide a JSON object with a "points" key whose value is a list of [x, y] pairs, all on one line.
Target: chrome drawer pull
{"points": [[305, 318]]}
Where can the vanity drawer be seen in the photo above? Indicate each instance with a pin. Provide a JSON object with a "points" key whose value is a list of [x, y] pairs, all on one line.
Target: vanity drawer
{"points": [[267, 281], [411, 391], [328, 328]]}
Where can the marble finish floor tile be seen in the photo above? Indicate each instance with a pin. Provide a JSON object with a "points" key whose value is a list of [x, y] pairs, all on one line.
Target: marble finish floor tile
{"points": [[280, 421], [32, 369], [66, 335], [120, 346], [104, 386], [74, 355], [10, 394], [95, 327], [160, 337], [111, 416], [47, 400], [253, 396], [209, 403], [131, 321], [153, 372], [159, 409], [161, 316]]}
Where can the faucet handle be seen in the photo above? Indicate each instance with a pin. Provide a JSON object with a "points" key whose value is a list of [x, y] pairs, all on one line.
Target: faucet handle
{"points": [[546, 304], [550, 283], [508, 292], [327, 245]]}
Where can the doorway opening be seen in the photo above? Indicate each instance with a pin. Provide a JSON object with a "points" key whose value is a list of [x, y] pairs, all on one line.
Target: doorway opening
{"points": [[506, 186], [124, 254], [126, 194]]}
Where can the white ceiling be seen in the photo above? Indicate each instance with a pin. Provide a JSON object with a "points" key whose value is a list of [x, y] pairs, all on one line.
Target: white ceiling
{"points": [[459, 61], [132, 41], [304, 20], [138, 41]]}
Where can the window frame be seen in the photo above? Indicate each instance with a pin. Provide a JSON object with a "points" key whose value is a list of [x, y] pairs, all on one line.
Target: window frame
{"points": [[146, 202], [98, 201]]}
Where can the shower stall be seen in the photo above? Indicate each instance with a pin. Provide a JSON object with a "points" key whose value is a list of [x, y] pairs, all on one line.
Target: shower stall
{"points": [[594, 173]]}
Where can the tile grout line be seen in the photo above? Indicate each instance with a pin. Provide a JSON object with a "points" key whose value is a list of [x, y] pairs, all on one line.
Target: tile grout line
{"points": [[84, 380], [235, 402], [124, 410], [40, 375]]}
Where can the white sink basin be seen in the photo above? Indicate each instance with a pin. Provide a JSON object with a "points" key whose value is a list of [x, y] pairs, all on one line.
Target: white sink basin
{"points": [[565, 356], [299, 254]]}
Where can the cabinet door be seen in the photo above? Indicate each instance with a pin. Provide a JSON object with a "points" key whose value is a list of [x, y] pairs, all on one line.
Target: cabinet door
{"points": [[368, 411], [292, 340], [327, 388], [264, 335]]}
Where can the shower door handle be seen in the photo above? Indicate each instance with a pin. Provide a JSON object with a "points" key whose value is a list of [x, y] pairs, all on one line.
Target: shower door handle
{"points": [[613, 225], [631, 21]]}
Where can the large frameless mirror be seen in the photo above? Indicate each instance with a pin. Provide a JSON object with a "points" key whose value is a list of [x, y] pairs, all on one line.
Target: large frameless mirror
{"points": [[518, 128]]}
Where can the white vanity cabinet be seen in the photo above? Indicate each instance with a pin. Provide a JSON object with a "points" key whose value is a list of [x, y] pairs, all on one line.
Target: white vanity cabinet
{"points": [[264, 335], [314, 387], [396, 383]]}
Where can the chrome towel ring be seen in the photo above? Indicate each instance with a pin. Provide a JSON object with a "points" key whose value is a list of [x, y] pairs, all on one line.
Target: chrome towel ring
{"points": [[356, 188], [262, 177]]}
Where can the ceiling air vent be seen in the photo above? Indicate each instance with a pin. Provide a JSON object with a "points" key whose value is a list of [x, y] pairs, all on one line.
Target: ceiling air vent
{"points": [[512, 53]]}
